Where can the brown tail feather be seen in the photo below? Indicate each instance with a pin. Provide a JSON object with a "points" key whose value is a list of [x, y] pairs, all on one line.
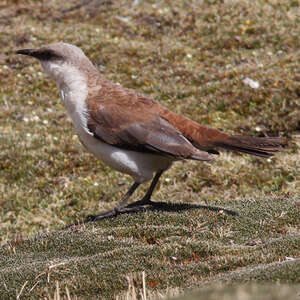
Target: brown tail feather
{"points": [[259, 146], [209, 139]]}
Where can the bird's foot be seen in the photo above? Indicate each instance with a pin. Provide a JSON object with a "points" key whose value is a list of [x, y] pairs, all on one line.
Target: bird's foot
{"points": [[143, 202], [118, 210], [108, 214]]}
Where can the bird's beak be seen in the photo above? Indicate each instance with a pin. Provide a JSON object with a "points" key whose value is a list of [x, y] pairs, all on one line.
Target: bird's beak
{"points": [[29, 52]]}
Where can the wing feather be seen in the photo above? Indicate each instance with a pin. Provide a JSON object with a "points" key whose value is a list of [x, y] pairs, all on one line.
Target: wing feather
{"points": [[127, 128]]}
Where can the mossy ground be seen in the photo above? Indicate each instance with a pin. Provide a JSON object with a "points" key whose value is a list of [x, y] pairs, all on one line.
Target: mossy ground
{"points": [[191, 56]]}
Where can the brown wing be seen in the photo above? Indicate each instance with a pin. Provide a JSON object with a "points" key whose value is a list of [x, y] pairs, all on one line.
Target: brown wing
{"points": [[156, 135], [121, 117], [129, 121]]}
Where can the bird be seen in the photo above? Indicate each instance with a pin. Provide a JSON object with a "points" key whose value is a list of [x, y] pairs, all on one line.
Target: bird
{"points": [[130, 132]]}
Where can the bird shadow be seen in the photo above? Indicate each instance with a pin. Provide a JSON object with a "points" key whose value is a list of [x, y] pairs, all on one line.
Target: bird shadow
{"points": [[154, 206], [177, 207]]}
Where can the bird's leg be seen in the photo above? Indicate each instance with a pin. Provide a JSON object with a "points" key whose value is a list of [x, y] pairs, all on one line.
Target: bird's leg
{"points": [[147, 198], [127, 196], [133, 207], [117, 209]]}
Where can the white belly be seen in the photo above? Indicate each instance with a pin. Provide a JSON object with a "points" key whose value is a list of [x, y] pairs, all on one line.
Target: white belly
{"points": [[140, 166]]}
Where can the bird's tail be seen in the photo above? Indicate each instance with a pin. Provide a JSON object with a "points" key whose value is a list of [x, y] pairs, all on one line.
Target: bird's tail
{"points": [[210, 140], [259, 146]]}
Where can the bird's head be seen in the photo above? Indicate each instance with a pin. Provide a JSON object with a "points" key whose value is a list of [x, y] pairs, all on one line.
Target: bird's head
{"points": [[61, 60]]}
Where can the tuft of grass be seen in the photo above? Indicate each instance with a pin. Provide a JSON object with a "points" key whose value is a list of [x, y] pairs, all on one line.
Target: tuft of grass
{"points": [[193, 58]]}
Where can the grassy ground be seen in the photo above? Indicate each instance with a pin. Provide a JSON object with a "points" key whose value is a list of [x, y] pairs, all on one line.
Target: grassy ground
{"points": [[193, 58]]}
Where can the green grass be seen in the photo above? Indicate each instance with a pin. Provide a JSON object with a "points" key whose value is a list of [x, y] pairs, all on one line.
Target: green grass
{"points": [[175, 250], [192, 57]]}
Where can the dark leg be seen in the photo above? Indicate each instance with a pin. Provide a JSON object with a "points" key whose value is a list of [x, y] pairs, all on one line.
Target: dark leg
{"points": [[135, 206], [127, 196], [117, 209], [147, 198]]}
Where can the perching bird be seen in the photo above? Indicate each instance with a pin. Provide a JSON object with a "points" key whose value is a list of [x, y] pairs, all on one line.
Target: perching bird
{"points": [[132, 133]]}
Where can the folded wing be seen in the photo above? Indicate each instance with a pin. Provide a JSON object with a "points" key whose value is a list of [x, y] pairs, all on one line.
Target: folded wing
{"points": [[127, 128]]}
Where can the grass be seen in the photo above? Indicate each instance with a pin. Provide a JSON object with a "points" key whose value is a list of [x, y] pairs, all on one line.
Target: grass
{"points": [[192, 57], [174, 250]]}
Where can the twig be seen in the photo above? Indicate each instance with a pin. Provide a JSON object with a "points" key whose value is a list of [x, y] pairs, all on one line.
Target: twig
{"points": [[22, 288]]}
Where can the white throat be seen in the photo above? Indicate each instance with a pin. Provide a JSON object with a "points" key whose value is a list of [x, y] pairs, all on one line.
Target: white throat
{"points": [[73, 88]]}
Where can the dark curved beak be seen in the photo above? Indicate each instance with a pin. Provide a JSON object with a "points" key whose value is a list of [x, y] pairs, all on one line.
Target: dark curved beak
{"points": [[29, 52], [41, 53]]}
